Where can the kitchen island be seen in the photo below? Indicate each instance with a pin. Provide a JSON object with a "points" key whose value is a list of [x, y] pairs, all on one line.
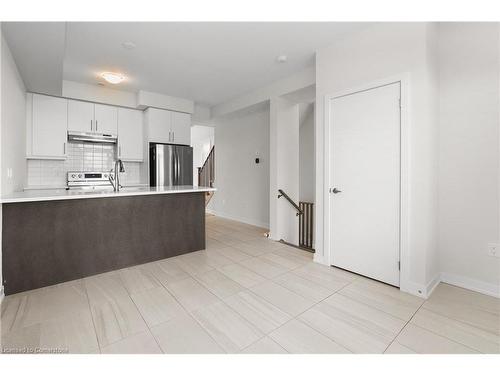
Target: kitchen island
{"points": [[53, 236]]}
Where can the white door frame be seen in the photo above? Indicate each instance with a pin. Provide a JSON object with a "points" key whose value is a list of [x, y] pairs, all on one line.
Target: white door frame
{"points": [[404, 258]]}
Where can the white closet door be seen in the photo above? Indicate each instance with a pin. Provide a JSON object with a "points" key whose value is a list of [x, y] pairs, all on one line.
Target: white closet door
{"points": [[365, 168]]}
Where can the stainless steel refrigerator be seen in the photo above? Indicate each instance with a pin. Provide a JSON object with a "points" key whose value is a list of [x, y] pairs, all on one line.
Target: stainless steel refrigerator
{"points": [[170, 165]]}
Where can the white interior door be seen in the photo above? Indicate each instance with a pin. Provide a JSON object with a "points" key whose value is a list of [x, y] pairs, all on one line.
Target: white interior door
{"points": [[365, 168]]}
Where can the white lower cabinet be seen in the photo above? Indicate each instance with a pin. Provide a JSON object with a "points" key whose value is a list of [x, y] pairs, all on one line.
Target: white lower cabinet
{"points": [[47, 119], [130, 135]]}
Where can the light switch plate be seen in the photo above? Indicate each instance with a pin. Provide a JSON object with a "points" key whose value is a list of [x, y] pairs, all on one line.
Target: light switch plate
{"points": [[494, 250]]}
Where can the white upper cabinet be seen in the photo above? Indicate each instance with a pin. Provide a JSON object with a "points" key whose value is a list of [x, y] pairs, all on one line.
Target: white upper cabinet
{"points": [[80, 116], [106, 119], [94, 118], [168, 126], [181, 128], [47, 127], [130, 135], [159, 123]]}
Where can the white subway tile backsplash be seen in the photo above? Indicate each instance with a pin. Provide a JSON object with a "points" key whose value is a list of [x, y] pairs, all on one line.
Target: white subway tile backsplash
{"points": [[81, 157], [132, 174]]}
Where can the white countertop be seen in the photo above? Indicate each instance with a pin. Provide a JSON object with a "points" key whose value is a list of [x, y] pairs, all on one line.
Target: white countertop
{"points": [[63, 194], [60, 187]]}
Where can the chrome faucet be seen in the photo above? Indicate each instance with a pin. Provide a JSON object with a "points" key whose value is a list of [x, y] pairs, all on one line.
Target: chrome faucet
{"points": [[114, 175]]}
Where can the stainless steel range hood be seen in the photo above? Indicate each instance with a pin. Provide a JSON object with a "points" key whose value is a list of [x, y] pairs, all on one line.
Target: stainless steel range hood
{"points": [[91, 137]]}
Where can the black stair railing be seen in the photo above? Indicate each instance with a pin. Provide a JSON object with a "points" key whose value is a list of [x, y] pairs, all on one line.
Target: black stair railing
{"points": [[290, 200], [305, 211]]}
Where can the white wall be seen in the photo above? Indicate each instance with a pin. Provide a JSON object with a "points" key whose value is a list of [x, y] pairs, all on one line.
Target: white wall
{"points": [[279, 88], [202, 115], [284, 141], [242, 185], [469, 153], [13, 124], [96, 93], [306, 156], [12, 128], [140, 100], [373, 54], [1, 214]]}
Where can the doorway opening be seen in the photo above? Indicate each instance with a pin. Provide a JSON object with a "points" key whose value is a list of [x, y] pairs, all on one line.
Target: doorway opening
{"points": [[292, 180]]}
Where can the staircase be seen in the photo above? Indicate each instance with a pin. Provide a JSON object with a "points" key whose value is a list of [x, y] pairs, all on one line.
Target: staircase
{"points": [[206, 174]]}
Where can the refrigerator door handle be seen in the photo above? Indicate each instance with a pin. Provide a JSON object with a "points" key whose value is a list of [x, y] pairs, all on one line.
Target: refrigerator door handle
{"points": [[174, 167], [178, 166]]}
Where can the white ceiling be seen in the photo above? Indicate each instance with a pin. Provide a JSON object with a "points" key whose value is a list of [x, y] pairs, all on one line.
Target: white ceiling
{"points": [[38, 49], [209, 63]]}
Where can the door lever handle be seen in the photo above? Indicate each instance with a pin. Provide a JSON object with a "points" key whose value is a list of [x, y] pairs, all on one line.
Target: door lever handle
{"points": [[335, 191]]}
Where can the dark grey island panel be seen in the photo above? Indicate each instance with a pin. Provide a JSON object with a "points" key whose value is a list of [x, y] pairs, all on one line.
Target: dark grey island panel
{"points": [[49, 242]]}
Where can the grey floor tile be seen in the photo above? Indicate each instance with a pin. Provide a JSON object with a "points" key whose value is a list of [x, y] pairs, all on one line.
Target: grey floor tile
{"points": [[183, 335], [297, 337]]}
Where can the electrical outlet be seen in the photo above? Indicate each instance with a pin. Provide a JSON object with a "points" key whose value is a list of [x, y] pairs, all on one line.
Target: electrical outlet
{"points": [[494, 250]]}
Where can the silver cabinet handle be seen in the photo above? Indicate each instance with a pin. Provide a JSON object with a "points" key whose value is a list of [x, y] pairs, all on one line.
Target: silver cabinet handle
{"points": [[91, 126], [95, 125], [64, 148]]}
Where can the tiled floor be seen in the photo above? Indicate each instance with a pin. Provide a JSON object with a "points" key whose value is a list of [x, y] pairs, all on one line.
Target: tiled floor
{"points": [[245, 294]]}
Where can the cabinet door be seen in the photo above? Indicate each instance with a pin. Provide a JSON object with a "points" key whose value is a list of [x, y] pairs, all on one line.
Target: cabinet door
{"points": [[159, 124], [49, 126], [181, 128], [80, 116], [130, 136], [106, 119]]}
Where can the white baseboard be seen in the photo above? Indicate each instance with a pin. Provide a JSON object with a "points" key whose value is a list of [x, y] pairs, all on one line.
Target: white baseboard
{"points": [[460, 281], [471, 284], [413, 288], [256, 223], [319, 259], [432, 285]]}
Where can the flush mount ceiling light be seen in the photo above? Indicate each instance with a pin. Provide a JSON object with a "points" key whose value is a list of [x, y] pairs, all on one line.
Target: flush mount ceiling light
{"points": [[281, 58], [113, 78], [128, 45]]}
